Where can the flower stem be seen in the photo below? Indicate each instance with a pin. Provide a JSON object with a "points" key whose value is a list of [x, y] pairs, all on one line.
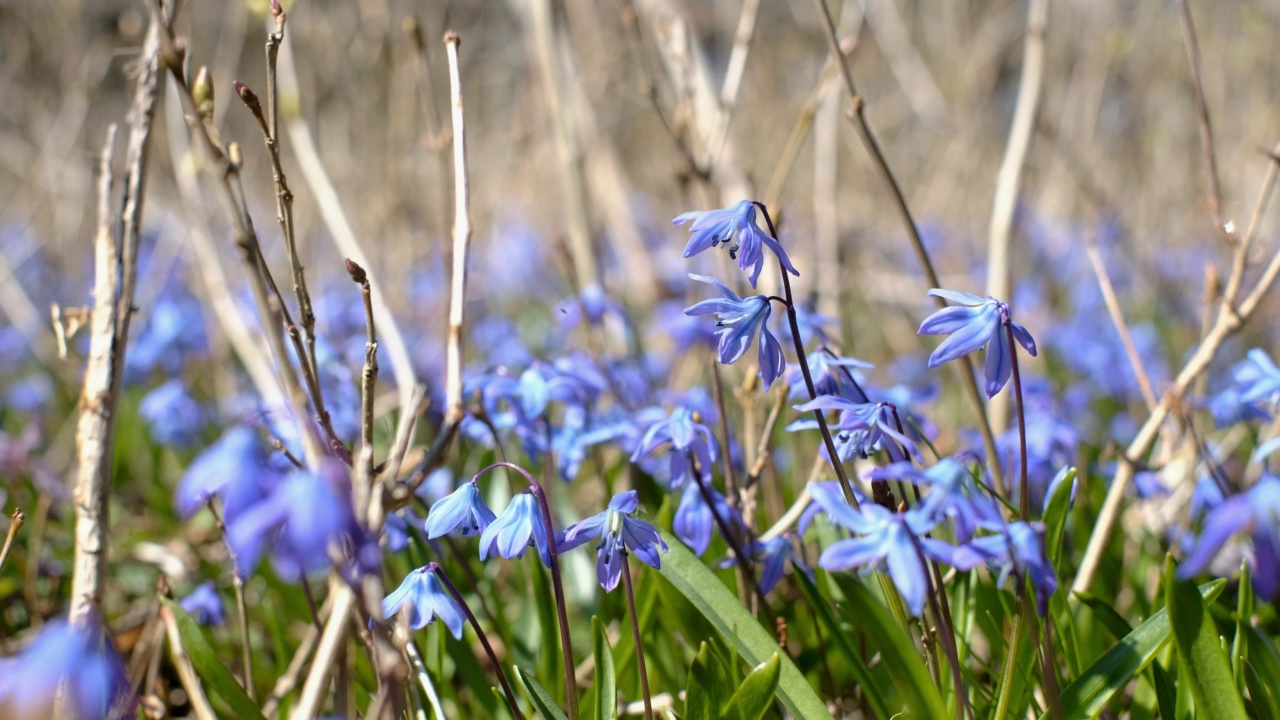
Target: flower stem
{"points": [[484, 640], [566, 644], [729, 537], [1024, 500], [1015, 641], [803, 361], [635, 633], [15, 524], [242, 607]]}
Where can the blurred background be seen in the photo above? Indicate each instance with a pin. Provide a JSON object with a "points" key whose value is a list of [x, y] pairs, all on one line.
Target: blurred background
{"points": [[590, 125]]}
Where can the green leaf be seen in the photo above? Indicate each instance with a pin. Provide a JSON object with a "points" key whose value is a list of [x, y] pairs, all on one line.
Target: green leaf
{"points": [[1264, 657], [1166, 695], [754, 696], [538, 695], [606, 685], [870, 690], [1089, 694], [707, 686], [550, 665], [897, 651], [1264, 702], [1055, 518], [1106, 615], [1202, 661], [736, 625], [209, 666]]}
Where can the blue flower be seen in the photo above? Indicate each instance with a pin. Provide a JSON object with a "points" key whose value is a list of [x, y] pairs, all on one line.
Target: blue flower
{"points": [[694, 520], [832, 375], [1255, 512], [823, 495], [78, 658], [173, 416], [512, 532], [686, 436], [889, 539], [618, 533], [463, 509], [204, 605], [1018, 549], [298, 522], [235, 469], [592, 305], [1254, 393], [739, 322], [971, 324], [738, 223], [771, 556], [427, 600], [863, 428], [953, 494]]}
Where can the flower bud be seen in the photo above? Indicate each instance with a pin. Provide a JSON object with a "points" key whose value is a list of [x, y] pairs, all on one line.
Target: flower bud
{"points": [[202, 93]]}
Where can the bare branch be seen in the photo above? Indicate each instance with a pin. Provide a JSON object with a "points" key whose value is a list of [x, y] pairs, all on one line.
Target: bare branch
{"points": [[1214, 188]]}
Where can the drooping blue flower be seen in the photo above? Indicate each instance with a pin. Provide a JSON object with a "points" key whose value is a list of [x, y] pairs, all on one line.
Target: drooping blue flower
{"points": [[463, 510], [894, 540], [685, 436], [971, 324], [517, 527], [694, 521], [738, 223], [1256, 513], [813, 324], [771, 556], [427, 599], [863, 428], [204, 604], [173, 416], [570, 441], [1018, 550], [235, 469], [1254, 392], [825, 494], [303, 517], [739, 321], [591, 305], [953, 493], [619, 534], [78, 658]]}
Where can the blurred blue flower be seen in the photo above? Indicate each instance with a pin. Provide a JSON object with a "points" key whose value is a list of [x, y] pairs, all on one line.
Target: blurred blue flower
{"points": [[686, 436], [813, 324], [462, 510], [173, 416], [76, 659], [972, 323], [738, 223], [570, 441], [591, 305], [1254, 392], [427, 599], [694, 521], [304, 516], [619, 534], [29, 394], [739, 321], [832, 375], [519, 526], [171, 332], [204, 604], [1255, 512], [863, 428], [396, 529], [771, 556], [235, 469]]}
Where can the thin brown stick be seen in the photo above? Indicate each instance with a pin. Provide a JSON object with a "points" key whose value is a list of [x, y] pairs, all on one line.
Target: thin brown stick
{"points": [[368, 381], [1117, 318], [1230, 318], [461, 237], [15, 524], [186, 673], [242, 608], [1214, 188], [858, 117], [333, 636], [97, 407]]}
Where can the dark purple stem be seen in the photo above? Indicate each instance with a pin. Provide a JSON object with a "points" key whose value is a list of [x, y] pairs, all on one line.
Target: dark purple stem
{"points": [[803, 361], [435, 568], [566, 644], [1024, 501], [635, 634]]}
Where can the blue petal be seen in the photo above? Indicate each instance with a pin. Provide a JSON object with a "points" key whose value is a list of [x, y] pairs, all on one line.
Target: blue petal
{"points": [[949, 320], [959, 297], [772, 361], [999, 364]]}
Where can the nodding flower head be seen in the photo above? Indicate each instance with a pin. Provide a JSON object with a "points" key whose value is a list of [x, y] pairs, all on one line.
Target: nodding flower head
{"points": [[739, 321], [972, 323], [687, 437], [426, 599], [736, 224], [78, 658], [462, 510], [518, 526], [619, 534], [235, 469]]}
